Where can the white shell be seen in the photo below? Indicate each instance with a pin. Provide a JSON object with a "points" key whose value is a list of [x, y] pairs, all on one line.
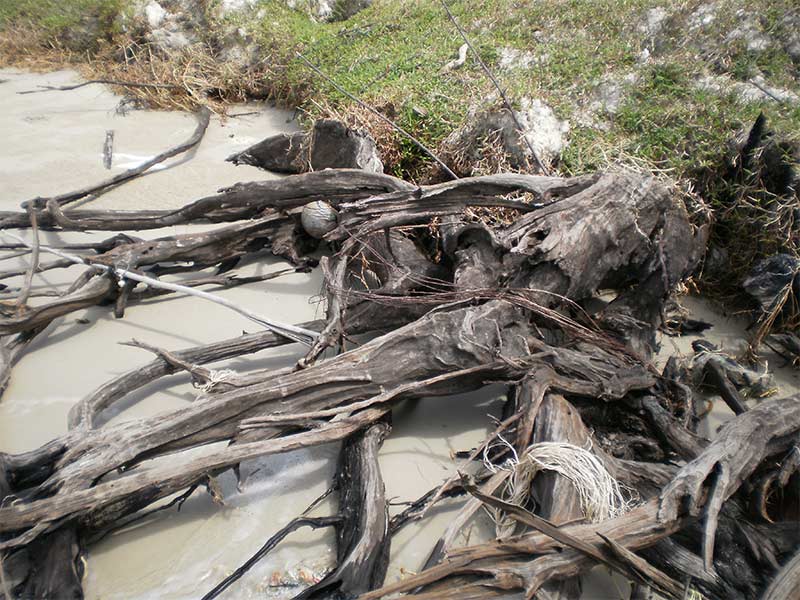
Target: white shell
{"points": [[318, 218]]}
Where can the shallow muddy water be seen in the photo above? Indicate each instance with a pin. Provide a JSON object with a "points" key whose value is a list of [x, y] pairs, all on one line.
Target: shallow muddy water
{"points": [[53, 143]]}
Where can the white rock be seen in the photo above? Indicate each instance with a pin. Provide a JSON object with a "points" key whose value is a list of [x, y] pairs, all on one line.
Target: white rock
{"points": [[512, 58], [750, 31], [320, 9], [170, 37], [755, 90], [230, 6], [475, 141], [654, 21], [606, 98], [704, 16], [154, 14], [790, 36], [542, 129]]}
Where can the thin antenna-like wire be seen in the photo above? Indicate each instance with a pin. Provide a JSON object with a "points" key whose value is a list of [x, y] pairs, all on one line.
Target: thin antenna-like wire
{"points": [[542, 168], [384, 118]]}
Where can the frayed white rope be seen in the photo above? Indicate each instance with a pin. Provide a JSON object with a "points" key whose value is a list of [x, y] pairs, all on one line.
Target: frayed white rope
{"points": [[601, 496], [216, 377]]}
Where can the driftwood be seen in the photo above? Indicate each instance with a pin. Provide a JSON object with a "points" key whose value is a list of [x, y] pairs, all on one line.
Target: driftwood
{"points": [[787, 582], [363, 534], [461, 284]]}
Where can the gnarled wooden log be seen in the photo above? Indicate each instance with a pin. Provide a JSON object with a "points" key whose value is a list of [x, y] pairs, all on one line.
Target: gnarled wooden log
{"points": [[466, 299]]}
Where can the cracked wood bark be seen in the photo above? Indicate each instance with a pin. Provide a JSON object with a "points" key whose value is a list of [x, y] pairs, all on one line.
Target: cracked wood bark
{"points": [[242, 201], [731, 458], [85, 413], [416, 351], [750, 558], [362, 538], [554, 494], [554, 255], [761, 438], [786, 583], [512, 564], [201, 250]]}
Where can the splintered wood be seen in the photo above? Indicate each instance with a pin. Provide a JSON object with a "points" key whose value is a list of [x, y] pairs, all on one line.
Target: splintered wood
{"points": [[454, 302]]}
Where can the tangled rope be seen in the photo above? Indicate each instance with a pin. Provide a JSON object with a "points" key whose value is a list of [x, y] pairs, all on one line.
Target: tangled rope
{"points": [[601, 496]]}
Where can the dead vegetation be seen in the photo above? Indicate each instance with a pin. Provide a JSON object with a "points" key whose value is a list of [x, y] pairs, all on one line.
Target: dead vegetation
{"points": [[460, 284], [582, 468], [190, 78]]}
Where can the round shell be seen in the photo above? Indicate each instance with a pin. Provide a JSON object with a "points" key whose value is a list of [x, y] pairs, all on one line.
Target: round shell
{"points": [[318, 218]]}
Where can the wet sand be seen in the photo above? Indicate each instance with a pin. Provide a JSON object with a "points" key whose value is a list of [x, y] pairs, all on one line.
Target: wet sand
{"points": [[53, 143]]}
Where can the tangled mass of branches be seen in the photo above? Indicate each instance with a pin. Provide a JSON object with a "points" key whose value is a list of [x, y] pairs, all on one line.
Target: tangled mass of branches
{"points": [[596, 459]]}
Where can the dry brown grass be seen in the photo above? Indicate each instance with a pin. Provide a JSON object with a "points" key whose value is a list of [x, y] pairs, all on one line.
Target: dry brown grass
{"points": [[489, 157], [197, 77], [23, 47]]}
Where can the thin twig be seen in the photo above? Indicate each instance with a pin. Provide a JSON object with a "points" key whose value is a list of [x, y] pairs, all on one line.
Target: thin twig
{"points": [[314, 522], [766, 91], [472, 456], [198, 373], [384, 118], [34, 264], [225, 282], [500, 90], [298, 334], [244, 114], [15, 254], [67, 88]]}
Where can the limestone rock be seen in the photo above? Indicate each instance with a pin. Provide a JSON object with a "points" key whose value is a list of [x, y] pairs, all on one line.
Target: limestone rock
{"points": [[789, 35], [171, 37], [232, 6], [605, 100], [154, 14], [653, 24], [329, 10], [513, 58], [749, 31], [704, 16], [488, 131], [168, 25], [329, 145], [755, 90]]}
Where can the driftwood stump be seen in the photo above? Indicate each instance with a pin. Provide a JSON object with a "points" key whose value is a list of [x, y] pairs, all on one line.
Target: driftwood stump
{"points": [[461, 284]]}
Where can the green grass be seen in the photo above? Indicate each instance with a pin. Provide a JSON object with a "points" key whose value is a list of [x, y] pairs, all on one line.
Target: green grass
{"points": [[56, 19], [391, 56]]}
